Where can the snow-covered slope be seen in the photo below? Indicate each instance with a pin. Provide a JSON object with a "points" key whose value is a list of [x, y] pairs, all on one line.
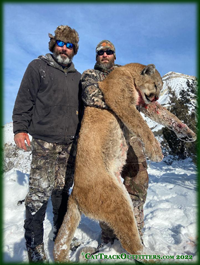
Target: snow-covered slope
{"points": [[170, 210], [177, 82]]}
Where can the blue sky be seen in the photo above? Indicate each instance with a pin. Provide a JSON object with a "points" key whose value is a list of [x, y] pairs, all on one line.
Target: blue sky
{"points": [[164, 34]]}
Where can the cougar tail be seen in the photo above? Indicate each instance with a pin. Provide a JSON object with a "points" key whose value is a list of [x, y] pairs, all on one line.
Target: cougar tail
{"points": [[66, 232]]}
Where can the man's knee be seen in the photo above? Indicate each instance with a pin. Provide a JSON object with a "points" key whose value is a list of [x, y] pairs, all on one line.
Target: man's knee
{"points": [[136, 183]]}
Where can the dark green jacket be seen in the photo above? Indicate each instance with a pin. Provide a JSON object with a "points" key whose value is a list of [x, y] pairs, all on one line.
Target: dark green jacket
{"points": [[48, 101]]}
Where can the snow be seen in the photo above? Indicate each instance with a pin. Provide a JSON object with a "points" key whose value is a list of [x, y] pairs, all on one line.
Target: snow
{"points": [[170, 213]]}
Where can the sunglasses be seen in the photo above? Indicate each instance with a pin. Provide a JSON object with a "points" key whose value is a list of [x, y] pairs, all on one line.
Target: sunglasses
{"points": [[108, 52], [62, 43]]}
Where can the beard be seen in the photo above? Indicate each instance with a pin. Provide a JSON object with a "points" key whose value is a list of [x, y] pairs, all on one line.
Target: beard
{"points": [[104, 63], [62, 60], [107, 65]]}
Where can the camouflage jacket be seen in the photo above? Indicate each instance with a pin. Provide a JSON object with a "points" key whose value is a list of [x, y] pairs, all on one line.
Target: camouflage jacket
{"points": [[91, 93], [93, 97]]}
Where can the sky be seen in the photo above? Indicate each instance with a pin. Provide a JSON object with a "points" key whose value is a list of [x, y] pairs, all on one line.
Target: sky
{"points": [[164, 34]]}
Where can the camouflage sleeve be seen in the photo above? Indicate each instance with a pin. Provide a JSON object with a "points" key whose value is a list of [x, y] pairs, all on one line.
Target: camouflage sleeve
{"points": [[91, 93], [161, 115]]}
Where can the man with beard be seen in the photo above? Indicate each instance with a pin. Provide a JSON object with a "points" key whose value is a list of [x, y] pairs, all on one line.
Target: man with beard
{"points": [[49, 109]]}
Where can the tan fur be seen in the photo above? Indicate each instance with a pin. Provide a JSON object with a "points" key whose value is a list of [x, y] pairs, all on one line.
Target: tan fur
{"points": [[101, 153]]}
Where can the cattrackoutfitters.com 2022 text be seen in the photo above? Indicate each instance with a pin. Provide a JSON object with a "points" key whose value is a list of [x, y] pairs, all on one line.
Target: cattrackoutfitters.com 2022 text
{"points": [[132, 257]]}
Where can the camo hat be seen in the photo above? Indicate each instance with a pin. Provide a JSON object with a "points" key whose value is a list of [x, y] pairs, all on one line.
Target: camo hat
{"points": [[66, 34], [105, 44]]}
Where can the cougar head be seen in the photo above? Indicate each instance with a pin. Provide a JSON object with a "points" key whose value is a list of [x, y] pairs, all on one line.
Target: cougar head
{"points": [[148, 84]]}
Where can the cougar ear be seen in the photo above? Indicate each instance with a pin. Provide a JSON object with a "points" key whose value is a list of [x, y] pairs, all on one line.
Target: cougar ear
{"points": [[148, 70]]}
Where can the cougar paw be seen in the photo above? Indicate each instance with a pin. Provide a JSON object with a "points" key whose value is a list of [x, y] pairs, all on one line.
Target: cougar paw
{"points": [[155, 153], [187, 136], [183, 132]]}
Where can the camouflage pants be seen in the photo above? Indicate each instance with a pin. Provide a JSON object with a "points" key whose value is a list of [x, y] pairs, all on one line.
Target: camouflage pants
{"points": [[136, 182], [52, 172], [52, 168]]}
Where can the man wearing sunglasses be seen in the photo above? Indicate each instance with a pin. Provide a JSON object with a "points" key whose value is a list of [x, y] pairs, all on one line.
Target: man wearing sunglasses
{"points": [[48, 108], [135, 171]]}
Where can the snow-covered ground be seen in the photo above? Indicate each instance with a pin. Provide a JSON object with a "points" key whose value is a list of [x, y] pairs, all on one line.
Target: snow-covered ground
{"points": [[170, 214]]}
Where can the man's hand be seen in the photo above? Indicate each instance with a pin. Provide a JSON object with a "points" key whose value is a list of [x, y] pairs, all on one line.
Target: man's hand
{"points": [[20, 139]]}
